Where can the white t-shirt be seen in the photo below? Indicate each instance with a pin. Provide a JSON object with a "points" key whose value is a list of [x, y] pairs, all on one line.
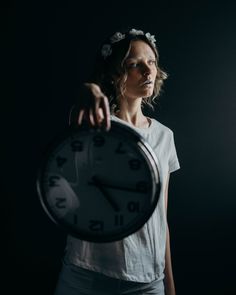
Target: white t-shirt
{"points": [[141, 256]]}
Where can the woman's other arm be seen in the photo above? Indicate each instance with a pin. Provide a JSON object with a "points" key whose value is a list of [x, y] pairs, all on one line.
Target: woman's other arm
{"points": [[169, 279]]}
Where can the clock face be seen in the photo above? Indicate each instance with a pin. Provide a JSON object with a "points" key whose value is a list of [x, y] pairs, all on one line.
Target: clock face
{"points": [[99, 186]]}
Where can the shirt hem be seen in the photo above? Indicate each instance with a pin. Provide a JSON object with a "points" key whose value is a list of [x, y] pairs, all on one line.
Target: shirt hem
{"points": [[115, 275]]}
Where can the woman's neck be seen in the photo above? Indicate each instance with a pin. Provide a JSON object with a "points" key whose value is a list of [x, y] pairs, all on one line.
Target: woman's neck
{"points": [[133, 115]]}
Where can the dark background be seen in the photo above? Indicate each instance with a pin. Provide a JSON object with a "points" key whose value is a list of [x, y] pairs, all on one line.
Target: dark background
{"points": [[51, 48]]}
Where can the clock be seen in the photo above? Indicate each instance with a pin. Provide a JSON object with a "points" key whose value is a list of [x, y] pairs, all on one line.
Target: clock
{"points": [[99, 186]]}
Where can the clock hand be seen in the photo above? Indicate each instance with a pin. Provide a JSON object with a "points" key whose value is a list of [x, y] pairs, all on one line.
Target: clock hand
{"points": [[97, 183], [117, 187]]}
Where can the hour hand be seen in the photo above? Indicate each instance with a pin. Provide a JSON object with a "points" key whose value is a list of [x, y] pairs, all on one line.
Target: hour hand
{"points": [[108, 197], [142, 189]]}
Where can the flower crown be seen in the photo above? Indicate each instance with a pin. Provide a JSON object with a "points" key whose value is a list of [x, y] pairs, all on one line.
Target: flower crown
{"points": [[107, 48]]}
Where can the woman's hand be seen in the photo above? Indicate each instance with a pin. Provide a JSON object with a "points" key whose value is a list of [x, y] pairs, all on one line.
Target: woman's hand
{"points": [[93, 106]]}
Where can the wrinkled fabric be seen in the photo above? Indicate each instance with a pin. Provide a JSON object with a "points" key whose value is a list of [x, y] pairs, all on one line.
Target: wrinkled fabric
{"points": [[75, 280]]}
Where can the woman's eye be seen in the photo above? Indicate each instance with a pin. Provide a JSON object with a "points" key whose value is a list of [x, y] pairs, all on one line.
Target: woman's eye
{"points": [[152, 62], [135, 64], [132, 65]]}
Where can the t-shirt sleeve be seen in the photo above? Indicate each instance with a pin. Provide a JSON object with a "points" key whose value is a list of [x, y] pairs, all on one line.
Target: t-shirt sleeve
{"points": [[173, 158]]}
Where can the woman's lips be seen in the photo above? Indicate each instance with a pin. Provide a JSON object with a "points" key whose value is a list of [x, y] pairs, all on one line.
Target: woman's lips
{"points": [[147, 82]]}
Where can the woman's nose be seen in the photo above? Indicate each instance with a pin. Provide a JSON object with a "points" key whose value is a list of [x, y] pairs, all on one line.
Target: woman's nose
{"points": [[146, 70]]}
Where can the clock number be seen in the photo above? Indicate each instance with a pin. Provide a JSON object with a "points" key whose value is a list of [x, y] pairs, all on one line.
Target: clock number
{"points": [[133, 206], [142, 186], [119, 220], [98, 140], [52, 181], [60, 203], [60, 161], [77, 146], [120, 149], [96, 225], [134, 164]]}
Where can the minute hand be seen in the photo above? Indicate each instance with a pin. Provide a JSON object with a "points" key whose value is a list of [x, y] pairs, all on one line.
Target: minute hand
{"points": [[121, 188], [106, 194]]}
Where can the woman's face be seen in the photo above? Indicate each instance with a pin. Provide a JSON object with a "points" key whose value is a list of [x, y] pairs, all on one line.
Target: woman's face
{"points": [[141, 70]]}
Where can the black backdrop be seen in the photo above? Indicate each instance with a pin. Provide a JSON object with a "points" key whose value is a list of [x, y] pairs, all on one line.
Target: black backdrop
{"points": [[51, 50]]}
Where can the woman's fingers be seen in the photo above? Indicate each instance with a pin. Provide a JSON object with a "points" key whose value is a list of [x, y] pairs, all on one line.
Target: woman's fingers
{"points": [[100, 116], [91, 118], [101, 112], [93, 106], [80, 116], [106, 112]]}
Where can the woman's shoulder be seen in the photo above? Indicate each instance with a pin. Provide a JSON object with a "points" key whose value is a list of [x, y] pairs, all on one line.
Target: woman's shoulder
{"points": [[157, 125]]}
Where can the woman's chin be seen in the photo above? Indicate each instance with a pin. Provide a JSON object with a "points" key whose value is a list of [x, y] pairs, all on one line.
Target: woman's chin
{"points": [[147, 94]]}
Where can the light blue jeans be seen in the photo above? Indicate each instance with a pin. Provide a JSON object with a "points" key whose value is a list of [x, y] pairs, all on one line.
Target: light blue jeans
{"points": [[74, 280]]}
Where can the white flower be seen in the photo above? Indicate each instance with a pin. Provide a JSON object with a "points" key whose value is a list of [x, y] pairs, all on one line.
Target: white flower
{"points": [[136, 32], [117, 37], [106, 50], [151, 38]]}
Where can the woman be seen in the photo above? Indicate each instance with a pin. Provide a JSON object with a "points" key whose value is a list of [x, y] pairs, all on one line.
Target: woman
{"points": [[127, 76]]}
